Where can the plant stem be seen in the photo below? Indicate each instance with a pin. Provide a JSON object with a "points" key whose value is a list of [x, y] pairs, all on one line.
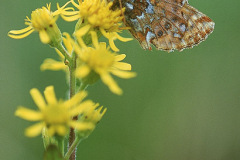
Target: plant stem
{"points": [[72, 148], [83, 86], [61, 145], [72, 83], [64, 52]]}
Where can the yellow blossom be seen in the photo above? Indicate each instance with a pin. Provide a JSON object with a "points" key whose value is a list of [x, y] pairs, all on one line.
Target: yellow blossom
{"points": [[102, 62], [43, 20], [93, 115], [97, 15], [55, 115]]}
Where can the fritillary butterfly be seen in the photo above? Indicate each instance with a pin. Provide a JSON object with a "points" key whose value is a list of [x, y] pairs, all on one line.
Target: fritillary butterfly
{"points": [[167, 24]]}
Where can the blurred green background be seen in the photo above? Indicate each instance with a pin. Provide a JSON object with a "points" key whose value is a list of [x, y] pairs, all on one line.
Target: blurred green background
{"points": [[181, 106]]}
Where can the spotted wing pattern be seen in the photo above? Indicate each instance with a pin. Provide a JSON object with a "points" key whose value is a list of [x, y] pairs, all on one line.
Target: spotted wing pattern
{"points": [[167, 24]]}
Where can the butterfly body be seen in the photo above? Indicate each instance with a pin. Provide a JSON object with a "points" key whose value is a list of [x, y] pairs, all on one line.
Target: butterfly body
{"points": [[167, 24]]}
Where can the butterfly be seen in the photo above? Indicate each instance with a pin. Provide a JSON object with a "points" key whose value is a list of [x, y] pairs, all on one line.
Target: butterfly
{"points": [[167, 24]]}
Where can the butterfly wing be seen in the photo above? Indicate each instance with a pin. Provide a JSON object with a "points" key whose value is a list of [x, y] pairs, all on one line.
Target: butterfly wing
{"points": [[167, 24]]}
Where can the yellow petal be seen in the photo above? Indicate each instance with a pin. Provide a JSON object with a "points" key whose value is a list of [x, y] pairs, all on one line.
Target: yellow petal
{"points": [[82, 125], [120, 57], [100, 110], [27, 29], [75, 4], [34, 130], [123, 74], [60, 9], [51, 64], [44, 37], [70, 18], [105, 34], [111, 38], [77, 48], [75, 99], [61, 130], [98, 115], [50, 95], [122, 38], [82, 71], [59, 53], [112, 45], [28, 114], [69, 12], [81, 108], [108, 80], [67, 42], [94, 39], [82, 31], [51, 131], [122, 66], [19, 34], [38, 98], [82, 44]]}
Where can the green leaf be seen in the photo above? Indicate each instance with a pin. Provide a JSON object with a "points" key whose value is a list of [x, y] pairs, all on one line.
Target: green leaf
{"points": [[52, 153]]}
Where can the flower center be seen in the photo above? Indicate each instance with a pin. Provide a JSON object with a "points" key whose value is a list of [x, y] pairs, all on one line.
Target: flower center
{"points": [[88, 8], [100, 59], [41, 18], [99, 14], [56, 114]]}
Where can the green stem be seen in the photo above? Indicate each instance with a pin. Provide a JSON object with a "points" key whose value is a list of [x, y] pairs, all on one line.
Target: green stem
{"points": [[61, 145], [64, 52], [72, 148], [83, 86], [72, 83]]}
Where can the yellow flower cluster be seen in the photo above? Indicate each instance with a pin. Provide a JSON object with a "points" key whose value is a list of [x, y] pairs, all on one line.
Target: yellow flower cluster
{"points": [[56, 115], [87, 62], [98, 16], [101, 61], [43, 20]]}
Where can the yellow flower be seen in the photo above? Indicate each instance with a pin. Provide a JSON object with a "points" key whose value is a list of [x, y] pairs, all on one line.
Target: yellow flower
{"points": [[93, 115], [97, 15], [55, 115], [102, 62], [43, 21]]}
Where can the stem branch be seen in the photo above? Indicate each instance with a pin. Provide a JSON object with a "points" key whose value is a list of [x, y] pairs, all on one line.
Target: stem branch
{"points": [[72, 148], [64, 52]]}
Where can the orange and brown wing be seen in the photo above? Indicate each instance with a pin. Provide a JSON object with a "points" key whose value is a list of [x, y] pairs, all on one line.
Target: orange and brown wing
{"points": [[167, 24]]}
